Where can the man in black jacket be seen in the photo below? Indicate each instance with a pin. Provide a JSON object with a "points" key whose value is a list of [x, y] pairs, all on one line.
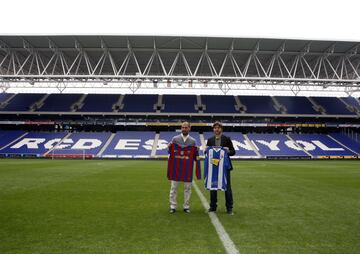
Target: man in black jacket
{"points": [[220, 140]]}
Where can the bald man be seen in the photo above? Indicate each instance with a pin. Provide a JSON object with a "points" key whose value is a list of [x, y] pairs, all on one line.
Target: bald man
{"points": [[183, 139]]}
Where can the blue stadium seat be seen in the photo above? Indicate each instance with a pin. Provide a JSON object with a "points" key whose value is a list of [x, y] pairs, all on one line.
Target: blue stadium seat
{"points": [[33, 143], [179, 103], [219, 103], [139, 102], [130, 144], [99, 102], [7, 136], [352, 102], [321, 145], [137, 144], [297, 105], [258, 104], [78, 143], [275, 144], [4, 96], [332, 105], [22, 102], [347, 141], [59, 102]]}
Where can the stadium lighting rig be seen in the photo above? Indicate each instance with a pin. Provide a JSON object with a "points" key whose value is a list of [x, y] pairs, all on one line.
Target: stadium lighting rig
{"points": [[233, 63]]}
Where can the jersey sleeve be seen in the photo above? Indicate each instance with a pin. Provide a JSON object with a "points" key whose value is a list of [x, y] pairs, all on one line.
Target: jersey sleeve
{"points": [[207, 150], [197, 164], [206, 163], [227, 162], [171, 161], [171, 148]]}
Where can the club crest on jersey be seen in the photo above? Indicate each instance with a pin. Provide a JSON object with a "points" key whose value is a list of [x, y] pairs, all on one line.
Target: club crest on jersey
{"points": [[183, 155], [215, 162]]}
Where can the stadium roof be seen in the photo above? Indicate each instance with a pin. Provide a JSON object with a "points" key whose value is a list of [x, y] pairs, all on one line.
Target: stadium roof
{"points": [[227, 63]]}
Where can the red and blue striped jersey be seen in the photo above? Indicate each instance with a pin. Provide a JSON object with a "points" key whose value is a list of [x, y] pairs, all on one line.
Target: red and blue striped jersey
{"points": [[181, 163]]}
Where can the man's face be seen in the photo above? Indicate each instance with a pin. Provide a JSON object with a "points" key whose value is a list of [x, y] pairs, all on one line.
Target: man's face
{"points": [[217, 130], [185, 129]]}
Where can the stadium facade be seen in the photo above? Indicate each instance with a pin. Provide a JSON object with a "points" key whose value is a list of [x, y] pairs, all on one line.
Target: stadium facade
{"points": [[130, 124]]}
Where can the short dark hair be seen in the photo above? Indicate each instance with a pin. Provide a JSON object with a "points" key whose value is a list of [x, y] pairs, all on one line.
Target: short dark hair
{"points": [[217, 123]]}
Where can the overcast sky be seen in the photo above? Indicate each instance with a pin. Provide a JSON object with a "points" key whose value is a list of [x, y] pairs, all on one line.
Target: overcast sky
{"points": [[308, 19]]}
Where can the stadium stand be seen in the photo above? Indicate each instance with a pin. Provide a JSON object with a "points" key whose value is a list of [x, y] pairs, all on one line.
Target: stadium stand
{"points": [[153, 103], [276, 145], [4, 97], [99, 103], [33, 143], [58, 102], [352, 102], [79, 143], [332, 105], [6, 137], [321, 145], [146, 144], [258, 104], [179, 104], [139, 103], [218, 104], [130, 144], [347, 142], [22, 102], [296, 105]]}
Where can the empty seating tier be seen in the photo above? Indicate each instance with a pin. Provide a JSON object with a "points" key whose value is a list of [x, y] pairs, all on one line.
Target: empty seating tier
{"points": [[59, 102], [219, 104], [99, 102], [146, 144], [258, 104], [179, 104], [332, 105], [297, 105], [139, 103]]}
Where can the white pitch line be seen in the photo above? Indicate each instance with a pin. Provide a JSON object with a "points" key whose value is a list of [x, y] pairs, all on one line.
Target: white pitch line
{"points": [[223, 235]]}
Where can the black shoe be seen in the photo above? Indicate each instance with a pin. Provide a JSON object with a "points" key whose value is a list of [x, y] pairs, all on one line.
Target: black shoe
{"points": [[212, 210], [230, 212], [186, 210], [172, 210]]}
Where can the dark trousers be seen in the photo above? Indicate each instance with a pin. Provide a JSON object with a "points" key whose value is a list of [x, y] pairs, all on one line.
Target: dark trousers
{"points": [[228, 196]]}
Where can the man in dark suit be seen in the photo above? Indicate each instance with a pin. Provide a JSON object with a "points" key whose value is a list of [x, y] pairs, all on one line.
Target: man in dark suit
{"points": [[220, 140]]}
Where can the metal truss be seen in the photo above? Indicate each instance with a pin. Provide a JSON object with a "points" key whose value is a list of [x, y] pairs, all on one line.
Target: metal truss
{"points": [[168, 66]]}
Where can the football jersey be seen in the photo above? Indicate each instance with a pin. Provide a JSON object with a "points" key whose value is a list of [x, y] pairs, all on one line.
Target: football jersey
{"points": [[181, 163], [216, 167]]}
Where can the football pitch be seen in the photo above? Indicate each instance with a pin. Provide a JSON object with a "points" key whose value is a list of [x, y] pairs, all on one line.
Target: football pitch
{"points": [[103, 206]]}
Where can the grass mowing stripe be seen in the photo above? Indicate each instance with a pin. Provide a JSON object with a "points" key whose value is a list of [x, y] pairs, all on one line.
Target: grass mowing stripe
{"points": [[223, 235]]}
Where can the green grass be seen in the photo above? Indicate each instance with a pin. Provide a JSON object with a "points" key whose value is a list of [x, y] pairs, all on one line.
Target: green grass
{"points": [[66, 206]]}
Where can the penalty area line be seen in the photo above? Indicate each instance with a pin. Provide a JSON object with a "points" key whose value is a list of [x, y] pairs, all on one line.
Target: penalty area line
{"points": [[220, 230]]}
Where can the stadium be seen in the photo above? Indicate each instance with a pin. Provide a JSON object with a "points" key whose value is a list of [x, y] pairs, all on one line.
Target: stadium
{"points": [[86, 120]]}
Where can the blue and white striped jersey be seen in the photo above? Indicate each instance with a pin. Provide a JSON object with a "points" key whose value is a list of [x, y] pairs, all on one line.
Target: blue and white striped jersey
{"points": [[216, 168]]}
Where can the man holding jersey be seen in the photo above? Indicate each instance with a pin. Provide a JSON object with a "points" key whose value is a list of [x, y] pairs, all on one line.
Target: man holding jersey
{"points": [[225, 142], [183, 139]]}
